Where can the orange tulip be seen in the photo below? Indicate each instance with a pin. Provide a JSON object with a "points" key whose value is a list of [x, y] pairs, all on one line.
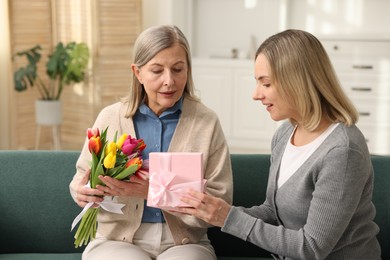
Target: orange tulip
{"points": [[141, 145], [95, 144], [133, 161], [93, 132]]}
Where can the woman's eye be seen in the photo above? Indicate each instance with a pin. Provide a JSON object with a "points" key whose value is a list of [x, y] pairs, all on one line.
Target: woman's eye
{"points": [[156, 71], [266, 85], [177, 70]]}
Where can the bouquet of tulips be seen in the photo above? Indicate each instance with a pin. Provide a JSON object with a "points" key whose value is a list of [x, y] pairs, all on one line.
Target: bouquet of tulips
{"points": [[118, 159]]}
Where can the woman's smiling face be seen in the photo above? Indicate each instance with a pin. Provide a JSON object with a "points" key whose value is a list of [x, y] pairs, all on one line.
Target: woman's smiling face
{"points": [[266, 92], [164, 78]]}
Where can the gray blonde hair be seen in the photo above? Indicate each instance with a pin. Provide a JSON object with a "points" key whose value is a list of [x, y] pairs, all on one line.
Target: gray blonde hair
{"points": [[304, 76], [148, 44]]}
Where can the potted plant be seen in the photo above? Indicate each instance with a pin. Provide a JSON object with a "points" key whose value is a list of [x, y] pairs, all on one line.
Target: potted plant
{"points": [[66, 65]]}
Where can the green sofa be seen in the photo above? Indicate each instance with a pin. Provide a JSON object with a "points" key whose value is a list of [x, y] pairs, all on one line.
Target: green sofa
{"points": [[37, 210]]}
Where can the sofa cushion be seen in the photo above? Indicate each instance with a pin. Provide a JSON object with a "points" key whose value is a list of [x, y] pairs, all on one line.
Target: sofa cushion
{"points": [[37, 209], [381, 199], [250, 177]]}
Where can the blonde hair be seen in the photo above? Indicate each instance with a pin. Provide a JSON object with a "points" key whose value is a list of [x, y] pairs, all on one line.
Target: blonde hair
{"points": [[304, 76], [148, 44]]}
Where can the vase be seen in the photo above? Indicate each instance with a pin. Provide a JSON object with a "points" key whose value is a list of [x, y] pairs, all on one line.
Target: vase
{"points": [[48, 112]]}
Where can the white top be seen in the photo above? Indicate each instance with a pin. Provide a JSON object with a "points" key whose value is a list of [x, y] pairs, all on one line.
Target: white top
{"points": [[295, 156]]}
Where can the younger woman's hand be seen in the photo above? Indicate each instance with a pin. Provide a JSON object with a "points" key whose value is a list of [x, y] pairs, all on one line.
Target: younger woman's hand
{"points": [[210, 209]]}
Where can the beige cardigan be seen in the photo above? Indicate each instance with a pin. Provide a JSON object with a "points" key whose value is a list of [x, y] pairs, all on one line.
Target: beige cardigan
{"points": [[198, 130]]}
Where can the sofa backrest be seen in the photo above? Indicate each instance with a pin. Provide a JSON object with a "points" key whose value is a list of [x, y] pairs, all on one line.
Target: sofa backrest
{"points": [[35, 204], [36, 210], [250, 176], [381, 199]]}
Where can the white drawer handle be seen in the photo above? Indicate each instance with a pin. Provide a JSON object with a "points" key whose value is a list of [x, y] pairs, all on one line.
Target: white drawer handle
{"points": [[363, 67], [364, 113], [363, 89]]}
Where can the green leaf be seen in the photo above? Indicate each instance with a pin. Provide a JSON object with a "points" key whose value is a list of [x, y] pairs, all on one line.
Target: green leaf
{"points": [[97, 169], [113, 171], [103, 135], [120, 159], [66, 65], [33, 55], [25, 76], [126, 172], [77, 63], [19, 78], [56, 66]]}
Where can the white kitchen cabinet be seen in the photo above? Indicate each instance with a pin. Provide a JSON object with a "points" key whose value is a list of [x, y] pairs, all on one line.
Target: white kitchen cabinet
{"points": [[363, 67], [226, 86]]}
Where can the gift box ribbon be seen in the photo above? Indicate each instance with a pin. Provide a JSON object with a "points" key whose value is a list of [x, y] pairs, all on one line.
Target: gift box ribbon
{"points": [[162, 191]]}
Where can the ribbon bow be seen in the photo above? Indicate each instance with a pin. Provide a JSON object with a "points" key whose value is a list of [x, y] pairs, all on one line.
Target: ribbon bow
{"points": [[108, 204], [161, 191]]}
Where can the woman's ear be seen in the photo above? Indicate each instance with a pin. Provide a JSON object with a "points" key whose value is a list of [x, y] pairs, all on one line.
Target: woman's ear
{"points": [[136, 72]]}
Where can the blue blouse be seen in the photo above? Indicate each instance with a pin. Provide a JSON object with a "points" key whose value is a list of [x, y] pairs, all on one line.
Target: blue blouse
{"points": [[157, 132]]}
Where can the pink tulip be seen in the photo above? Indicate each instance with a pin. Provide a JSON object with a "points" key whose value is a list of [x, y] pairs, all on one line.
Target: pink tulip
{"points": [[129, 145]]}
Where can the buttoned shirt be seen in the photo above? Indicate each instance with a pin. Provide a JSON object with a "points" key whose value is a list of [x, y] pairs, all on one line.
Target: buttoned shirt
{"points": [[157, 132]]}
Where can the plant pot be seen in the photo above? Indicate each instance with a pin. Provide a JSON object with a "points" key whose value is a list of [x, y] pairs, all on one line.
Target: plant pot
{"points": [[48, 112]]}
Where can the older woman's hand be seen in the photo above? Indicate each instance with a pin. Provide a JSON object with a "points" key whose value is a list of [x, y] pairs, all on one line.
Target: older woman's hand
{"points": [[84, 194], [136, 187], [206, 207]]}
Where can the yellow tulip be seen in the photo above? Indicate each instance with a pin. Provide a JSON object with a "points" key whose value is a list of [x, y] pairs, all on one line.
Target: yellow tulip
{"points": [[121, 140], [109, 160], [110, 148]]}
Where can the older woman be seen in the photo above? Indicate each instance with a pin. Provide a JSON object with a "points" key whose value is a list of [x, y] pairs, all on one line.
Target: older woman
{"points": [[163, 110]]}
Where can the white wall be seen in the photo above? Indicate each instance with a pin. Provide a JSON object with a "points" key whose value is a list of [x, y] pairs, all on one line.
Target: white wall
{"points": [[221, 25], [5, 75], [214, 27], [343, 18], [159, 12], [211, 25], [156, 12]]}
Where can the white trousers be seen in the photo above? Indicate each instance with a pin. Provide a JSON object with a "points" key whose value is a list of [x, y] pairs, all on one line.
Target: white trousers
{"points": [[152, 241]]}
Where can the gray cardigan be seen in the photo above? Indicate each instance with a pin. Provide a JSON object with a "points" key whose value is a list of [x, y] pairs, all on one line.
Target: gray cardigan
{"points": [[324, 211]]}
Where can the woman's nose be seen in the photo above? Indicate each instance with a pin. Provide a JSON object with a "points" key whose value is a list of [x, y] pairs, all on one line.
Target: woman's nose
{"points": [[168, 78], [257, 93]]}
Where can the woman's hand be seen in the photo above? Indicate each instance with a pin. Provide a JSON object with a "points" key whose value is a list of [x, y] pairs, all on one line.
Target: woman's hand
{"points": [[211, 209], [136, 187], [84, 195]]}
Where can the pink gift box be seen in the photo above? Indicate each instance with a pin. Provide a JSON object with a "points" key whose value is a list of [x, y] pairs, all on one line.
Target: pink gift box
{"points": [[171, 175]]}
